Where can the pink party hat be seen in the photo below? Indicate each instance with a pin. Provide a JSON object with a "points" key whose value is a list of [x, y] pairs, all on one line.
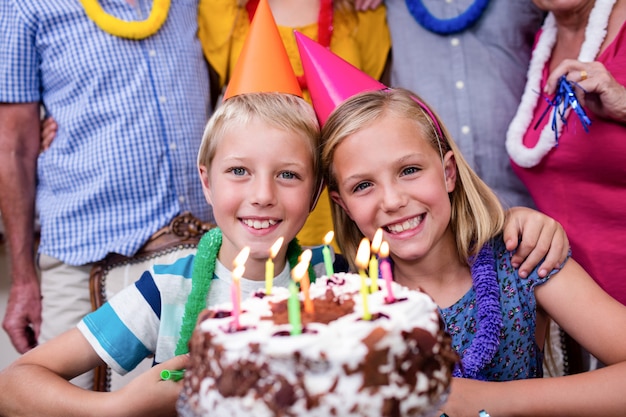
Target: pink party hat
{"points": [[330, 79]]}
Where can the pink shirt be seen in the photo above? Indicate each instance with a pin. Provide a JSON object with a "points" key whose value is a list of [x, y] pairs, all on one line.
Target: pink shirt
{"points": [[582, 183]]}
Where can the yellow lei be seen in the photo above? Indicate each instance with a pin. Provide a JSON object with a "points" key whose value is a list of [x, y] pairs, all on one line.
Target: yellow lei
{"points": [[129, 30]]}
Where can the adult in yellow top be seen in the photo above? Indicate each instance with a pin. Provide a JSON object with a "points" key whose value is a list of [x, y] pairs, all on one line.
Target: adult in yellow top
{"points": [[360, 37]]}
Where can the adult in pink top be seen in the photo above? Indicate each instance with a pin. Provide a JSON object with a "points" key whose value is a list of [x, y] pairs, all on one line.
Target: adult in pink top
{"points": [[581, 181]]}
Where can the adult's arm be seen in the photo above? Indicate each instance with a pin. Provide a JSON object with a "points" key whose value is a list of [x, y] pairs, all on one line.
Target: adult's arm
{"points": [[19, 147]]}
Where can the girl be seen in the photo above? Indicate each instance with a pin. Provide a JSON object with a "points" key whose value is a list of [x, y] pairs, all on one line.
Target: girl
{"points": [[444, 228]]}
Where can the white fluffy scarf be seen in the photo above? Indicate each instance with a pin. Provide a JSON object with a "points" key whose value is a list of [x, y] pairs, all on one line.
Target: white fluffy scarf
{"points": [[594, 36]]}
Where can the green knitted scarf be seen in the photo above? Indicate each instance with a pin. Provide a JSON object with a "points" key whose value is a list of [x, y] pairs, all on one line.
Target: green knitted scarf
{"points": [[203, 270]]}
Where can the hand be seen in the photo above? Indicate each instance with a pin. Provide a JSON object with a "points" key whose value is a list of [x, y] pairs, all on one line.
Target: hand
{"points": [[363, 5], [148, 395], [598, 90], [22, 320], [541, 236], [465, 398], [49, 129]]}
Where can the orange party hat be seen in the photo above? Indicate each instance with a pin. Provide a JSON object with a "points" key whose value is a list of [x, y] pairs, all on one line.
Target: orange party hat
{"points": [[263, 65], [330, 79]]}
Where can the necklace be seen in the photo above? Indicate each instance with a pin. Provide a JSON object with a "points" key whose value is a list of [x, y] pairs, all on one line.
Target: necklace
{"points": [[446, 26], [489, 316], [130, 30], [594, 36], [202, 275]]}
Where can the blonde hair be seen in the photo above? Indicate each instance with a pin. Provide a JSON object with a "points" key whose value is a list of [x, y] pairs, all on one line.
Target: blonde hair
{"points": [[282, 111], [476, 216]]}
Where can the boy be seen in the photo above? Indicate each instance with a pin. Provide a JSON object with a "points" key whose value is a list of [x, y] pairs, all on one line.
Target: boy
{"points": [[259, 168]]}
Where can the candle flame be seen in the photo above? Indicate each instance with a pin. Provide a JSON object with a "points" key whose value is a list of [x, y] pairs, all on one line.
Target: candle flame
{"points": [[298, 272], [276, 247], [377, 240], [329, 237], [363, 254], [241, 259], [306, 256], [384, 250], [238, 272]]}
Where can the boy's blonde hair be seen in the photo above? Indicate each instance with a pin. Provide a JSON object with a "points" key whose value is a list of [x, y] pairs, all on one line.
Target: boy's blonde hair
{"points": [[476, 216], [283, 111]]}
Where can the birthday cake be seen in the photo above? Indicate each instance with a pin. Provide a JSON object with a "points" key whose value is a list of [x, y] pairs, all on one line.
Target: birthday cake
{"points": [[397, 363]]}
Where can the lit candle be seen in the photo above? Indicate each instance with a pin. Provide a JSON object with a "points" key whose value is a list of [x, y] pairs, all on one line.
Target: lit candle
{"points": [[328, 262], [269, 265], [306, 256], [293, 303], [362, 255], [235, 288], [305, 282], [385, 270], [242, 257], [235, 295], [373, 266]]}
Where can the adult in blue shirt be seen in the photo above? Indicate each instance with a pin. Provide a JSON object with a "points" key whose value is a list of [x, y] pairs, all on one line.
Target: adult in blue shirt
{"points": [[131, 103]]}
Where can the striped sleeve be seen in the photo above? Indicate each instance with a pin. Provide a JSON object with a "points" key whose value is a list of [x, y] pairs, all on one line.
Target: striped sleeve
{"points": [[125, 330]]}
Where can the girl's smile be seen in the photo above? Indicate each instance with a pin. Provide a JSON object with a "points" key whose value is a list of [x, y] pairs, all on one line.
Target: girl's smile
{"points": [[403, 192], [405, 225]]}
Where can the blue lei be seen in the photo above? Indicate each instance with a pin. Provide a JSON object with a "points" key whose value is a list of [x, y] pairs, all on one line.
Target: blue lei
{"points": [[446, 26], [487, 339]]}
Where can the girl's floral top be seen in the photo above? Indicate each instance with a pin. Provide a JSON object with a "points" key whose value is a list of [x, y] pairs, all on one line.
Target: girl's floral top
{"points": [[518, 356]]}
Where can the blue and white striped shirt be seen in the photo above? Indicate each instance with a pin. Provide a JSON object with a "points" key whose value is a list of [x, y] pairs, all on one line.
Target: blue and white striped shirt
{"points": [[145, 318], [130, 114]]}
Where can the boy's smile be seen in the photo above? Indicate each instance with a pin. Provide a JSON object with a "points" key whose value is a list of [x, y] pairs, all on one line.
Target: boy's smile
{"points": [[259, 184], [259, 224]]}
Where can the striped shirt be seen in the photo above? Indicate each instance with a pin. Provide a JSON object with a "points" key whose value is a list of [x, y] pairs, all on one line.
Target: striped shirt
{"points": [[145, 318], [130, 114]]}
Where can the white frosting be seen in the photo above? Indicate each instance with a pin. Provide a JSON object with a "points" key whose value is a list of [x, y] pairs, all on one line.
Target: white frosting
{"points": [[330, 350]]}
